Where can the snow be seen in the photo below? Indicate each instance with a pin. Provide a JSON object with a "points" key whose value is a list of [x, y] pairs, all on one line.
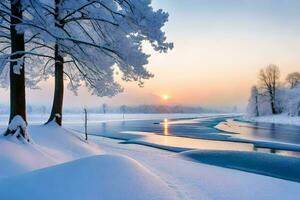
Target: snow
{"points": [[17, 127], [51, 145], [17, 122], [17, 157], [105, 177], [194, 181], [276, 119], [59, 164]]}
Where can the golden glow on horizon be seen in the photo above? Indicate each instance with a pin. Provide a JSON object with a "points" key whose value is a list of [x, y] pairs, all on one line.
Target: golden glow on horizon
{"points": [[165, 97]]}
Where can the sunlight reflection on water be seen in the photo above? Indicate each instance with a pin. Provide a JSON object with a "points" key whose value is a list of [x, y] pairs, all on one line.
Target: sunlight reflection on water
{"points": [[166, 127]]}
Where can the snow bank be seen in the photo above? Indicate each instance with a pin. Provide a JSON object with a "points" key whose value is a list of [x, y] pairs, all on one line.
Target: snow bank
{"points": [[17, 122], [51, 145], [105, 177], [62, 143], [260, 163], [275, 119], [18, 128]]}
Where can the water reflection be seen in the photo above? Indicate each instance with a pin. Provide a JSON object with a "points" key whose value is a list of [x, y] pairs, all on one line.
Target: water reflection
{"points": [[262, 131], [166, 127], [103, 127], [201, 129]]}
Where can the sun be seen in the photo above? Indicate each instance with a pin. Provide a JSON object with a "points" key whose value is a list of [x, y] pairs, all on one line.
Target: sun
{"points": [[165, 97]]}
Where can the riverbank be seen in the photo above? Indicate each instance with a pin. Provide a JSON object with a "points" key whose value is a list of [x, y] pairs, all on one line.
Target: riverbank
{"points": [[275, 119]]}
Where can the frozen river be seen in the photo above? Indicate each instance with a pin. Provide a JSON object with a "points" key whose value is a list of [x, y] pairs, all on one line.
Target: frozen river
{"points": [[187, 131], [192, 131]]}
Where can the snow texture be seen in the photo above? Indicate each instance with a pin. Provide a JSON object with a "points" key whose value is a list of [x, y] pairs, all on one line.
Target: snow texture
{"points": [[52, 145], [287, 102], [275, 119], [105, 177], [18, 126]]}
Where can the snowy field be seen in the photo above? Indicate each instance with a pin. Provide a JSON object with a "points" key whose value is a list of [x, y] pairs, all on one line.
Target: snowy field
{"points": [[60, 164]]}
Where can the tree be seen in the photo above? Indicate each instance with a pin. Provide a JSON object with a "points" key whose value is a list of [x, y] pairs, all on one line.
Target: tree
{"points": [[11, 14], [253, 102], [104, 108], [269, 82], [16, 51], [293, 79], [93, 37]]}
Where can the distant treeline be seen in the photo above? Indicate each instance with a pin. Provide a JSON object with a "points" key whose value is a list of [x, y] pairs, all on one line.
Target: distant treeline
{"points": [[105, 108]]}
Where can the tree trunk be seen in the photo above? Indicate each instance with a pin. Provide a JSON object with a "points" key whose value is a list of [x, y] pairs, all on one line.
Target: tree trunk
{"points": [[56, 112], [272, 100], [17, 80], [273, 107], [256, 106]]}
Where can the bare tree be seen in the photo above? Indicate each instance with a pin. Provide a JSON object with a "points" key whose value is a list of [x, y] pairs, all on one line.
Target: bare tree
{"points": [[269, 82], [293, 79]]}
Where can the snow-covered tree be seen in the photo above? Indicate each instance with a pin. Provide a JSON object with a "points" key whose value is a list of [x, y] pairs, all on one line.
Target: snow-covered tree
{"points": [[90, 39], [290, 100], [253, 103], [293, 79], [287, 99], [269, 82], [11, 13], [17, 50]]}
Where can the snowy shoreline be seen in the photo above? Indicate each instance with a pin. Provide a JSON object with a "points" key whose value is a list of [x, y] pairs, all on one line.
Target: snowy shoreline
{"points": [[283, 119]]}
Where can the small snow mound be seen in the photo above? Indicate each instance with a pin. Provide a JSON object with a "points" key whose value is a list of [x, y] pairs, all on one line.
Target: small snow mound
{"points": [[16, 122], [52, 145], [52, 123], [105, 177], [18, 128]]}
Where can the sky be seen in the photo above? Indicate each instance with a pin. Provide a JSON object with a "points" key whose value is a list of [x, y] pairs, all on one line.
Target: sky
{"points": [[219, 48]]}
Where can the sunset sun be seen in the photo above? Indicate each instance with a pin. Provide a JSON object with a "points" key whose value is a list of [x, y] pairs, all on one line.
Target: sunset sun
{"points": [[165, 97]]}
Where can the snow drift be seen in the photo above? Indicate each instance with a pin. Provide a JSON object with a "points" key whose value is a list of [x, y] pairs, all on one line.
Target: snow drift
{"points": [[50, 145], [105, 177]]}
